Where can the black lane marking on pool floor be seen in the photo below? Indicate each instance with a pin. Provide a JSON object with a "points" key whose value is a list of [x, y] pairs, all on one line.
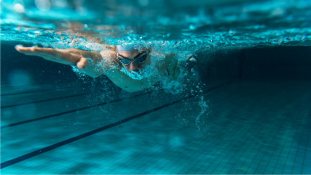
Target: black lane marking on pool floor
{"points": [[79, 137], [28, 92], [66, 112], [34, 84], [8, 106]]}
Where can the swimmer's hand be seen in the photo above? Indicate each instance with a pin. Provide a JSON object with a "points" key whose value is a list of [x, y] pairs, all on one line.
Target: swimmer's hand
{"points": [[72, 57], [170, 64]]}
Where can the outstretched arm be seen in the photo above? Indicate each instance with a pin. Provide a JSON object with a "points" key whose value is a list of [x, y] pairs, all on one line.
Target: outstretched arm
{"points": [[170, 65], [74, 57]]}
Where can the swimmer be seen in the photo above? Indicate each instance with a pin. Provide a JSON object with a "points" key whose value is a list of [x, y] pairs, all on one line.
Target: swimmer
{"points": [[126, 67]]}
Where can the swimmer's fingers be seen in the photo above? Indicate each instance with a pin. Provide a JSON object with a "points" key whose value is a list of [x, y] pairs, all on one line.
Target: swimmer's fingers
{"points": [[41, 51], [37, 51], [25, 50], [34, 52], [57, 55]]}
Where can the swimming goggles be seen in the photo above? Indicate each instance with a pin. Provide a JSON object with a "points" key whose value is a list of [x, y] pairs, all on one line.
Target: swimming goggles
{"points": [[138, 60]]}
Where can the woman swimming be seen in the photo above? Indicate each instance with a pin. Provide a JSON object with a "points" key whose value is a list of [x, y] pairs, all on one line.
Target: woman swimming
{"points": [[130, 68]]}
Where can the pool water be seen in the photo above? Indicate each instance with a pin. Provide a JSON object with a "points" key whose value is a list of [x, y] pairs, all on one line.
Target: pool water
{"points": [[242, 105]]}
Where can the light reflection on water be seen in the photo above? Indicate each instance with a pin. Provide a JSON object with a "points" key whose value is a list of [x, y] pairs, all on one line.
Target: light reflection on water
{"points": [[167, 25]]}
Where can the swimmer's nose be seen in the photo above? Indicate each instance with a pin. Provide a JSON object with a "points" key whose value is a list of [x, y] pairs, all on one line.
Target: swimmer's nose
{"points": [[133, 67]]}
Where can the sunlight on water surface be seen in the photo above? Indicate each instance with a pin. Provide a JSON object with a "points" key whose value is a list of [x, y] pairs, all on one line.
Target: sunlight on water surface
{"points": [[172, 25]]}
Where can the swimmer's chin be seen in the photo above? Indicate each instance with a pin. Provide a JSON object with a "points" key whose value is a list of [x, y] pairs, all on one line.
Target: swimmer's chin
{"points": [[137, 75]]}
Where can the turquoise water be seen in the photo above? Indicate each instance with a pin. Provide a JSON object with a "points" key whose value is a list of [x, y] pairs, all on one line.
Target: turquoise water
{"points": [[173, 25], [242, 105]]}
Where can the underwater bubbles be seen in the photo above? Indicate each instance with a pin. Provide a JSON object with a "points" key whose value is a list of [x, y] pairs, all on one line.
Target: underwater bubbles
{"points": [[19, 78]]}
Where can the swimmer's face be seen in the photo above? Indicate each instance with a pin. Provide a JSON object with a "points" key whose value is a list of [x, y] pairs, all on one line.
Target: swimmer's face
{"points": [[131, 55]]}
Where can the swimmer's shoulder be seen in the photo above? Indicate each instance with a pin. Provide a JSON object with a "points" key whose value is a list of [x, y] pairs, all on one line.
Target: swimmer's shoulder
{"points": [[109, 53], [110, 61]]}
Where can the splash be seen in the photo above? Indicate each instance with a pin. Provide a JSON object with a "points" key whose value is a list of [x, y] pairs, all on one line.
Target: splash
{"points": [[147, 72], [173, 86], [90, 26]]}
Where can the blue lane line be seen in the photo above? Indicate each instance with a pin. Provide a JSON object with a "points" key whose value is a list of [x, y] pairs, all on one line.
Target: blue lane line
{"points": [[28, 92], [8, 106], [79, 137], [67, 112]]}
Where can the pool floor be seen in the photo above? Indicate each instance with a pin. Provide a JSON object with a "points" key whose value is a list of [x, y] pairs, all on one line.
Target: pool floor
{"points": [[250, 127]]}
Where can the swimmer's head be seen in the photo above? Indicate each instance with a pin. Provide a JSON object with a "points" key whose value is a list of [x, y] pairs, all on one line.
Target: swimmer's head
{"points": [[132, 59]]}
